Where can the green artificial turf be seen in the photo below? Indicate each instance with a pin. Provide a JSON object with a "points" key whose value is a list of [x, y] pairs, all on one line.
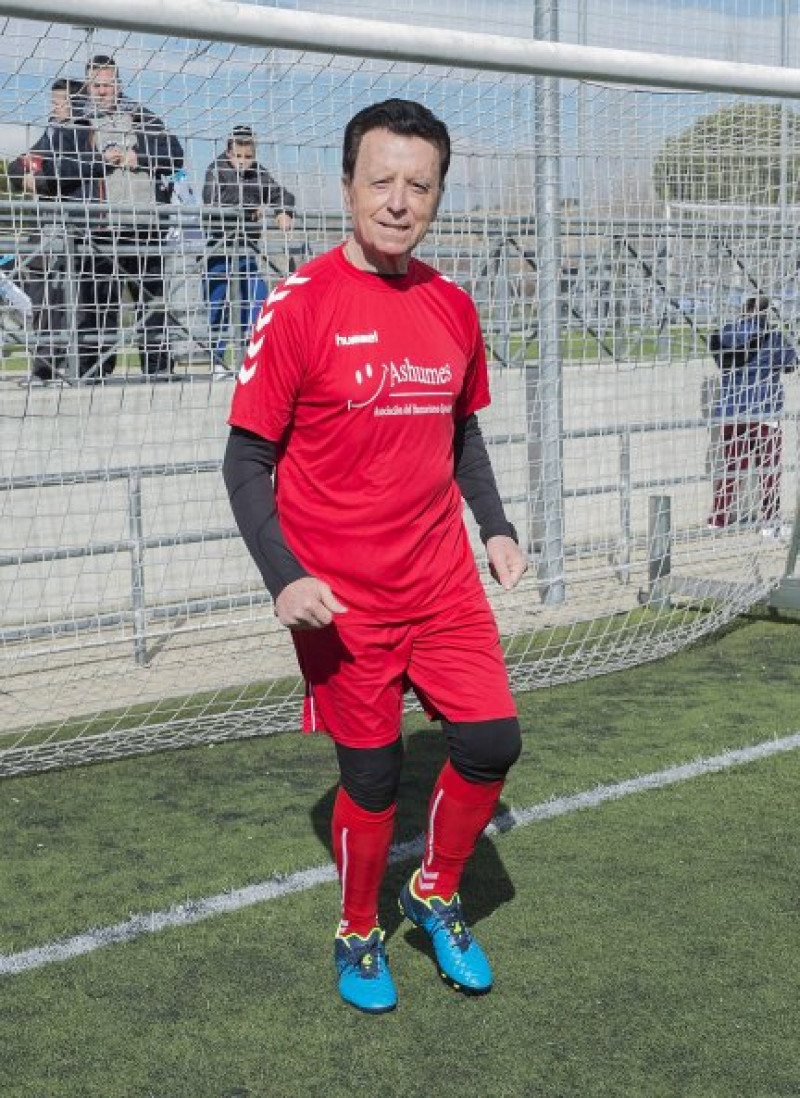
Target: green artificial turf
{"points": [[645, 948]]}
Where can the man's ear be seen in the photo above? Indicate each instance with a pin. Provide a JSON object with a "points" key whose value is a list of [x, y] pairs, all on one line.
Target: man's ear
{"points": [[346, 185]]}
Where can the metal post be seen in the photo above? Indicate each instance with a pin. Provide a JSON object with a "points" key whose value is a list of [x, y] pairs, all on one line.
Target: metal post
{"points": [[136, 533], [237, 336], [626, 529], [71, 300], [502, 318], [659, 545], [786, 595], [783, 184], [582, 158], [544, 391]]}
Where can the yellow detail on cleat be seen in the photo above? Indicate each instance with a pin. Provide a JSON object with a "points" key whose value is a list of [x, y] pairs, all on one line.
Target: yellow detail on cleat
{"points": [[360, 937]]}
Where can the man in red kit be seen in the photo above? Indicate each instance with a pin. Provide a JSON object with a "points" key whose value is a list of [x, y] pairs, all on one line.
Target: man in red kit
{"points": [[360, 389]]}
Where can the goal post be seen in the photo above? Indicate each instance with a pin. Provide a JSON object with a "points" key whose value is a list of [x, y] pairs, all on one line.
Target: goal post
{"points": [[585, 211], [274, 28]]}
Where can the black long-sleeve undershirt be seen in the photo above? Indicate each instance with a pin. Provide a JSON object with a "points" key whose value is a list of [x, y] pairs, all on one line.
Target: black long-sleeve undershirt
{"points": [[247, 469], [475, 480]]}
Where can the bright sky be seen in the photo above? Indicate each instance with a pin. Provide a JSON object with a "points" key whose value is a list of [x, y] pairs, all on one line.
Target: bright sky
{"points": [[299, 104]]}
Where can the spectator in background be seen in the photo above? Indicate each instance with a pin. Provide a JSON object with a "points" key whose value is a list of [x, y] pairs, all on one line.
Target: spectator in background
{"points": [[59, 164], [237, 180], [139, 158], [752, 356], [59, 167]]}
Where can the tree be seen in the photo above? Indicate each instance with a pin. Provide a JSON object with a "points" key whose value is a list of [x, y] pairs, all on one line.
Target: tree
{"points": [[732, 155]]}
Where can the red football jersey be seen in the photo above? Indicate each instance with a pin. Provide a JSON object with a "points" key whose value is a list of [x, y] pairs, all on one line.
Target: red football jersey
{"points": [[359, 379]]}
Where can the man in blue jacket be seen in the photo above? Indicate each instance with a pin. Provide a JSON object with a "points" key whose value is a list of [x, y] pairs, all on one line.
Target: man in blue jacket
{"points": [[752, 356]]}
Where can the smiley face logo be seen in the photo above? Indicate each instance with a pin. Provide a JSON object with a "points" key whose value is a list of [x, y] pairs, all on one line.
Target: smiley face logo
{"points": [[366, 378]]}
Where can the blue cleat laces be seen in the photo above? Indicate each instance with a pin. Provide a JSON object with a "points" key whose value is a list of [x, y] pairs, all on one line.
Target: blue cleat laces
{"points": [[460, 960], [364, 978]]}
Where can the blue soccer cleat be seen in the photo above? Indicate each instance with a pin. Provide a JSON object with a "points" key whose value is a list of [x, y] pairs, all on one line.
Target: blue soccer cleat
{"points": [[460, 959], [364, 978]]}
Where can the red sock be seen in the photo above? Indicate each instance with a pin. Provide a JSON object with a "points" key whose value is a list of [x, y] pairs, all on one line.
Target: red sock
{"points": [[458, 813], [361, 841]]}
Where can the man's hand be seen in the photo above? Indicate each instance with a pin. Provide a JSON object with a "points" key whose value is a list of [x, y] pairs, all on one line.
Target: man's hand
{"points": [[308, 603], [284, 221], [506, 561]]}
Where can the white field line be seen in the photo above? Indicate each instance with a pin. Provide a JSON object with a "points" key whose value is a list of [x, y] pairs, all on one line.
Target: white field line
{"points": [[194, 911]]}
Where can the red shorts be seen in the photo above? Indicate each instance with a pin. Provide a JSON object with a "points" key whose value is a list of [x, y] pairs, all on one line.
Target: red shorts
{"points": [[356, 673]]}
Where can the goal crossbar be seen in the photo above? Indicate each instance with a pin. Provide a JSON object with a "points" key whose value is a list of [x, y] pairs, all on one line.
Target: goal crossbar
{"points": [[249, 24]]}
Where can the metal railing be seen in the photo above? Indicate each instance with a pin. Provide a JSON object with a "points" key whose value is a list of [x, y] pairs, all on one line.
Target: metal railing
{"points": [[139, 615], [137, 544], [496, 257], [56, 243]]}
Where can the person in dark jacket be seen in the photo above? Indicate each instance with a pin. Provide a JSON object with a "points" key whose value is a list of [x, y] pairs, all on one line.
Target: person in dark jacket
{"points": [[60, 164], [59, 167], [139, 158], [236, 179], [752, 356]]}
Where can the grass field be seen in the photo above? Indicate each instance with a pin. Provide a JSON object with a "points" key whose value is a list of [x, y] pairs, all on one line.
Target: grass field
{"points": [[646, 947], [578, 346]]}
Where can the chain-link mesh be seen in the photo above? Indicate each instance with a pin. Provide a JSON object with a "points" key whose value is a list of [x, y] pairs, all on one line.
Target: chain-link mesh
{"points": [[606, 234]]}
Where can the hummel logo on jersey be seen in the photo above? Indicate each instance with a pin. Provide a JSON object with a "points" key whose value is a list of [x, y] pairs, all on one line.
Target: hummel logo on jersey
{"points": [[353, 340], [247, 372], [276, 295], [254, 347]]}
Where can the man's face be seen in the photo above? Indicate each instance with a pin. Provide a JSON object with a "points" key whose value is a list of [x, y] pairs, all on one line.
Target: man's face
{"points": [[242, 155], [60, 109], [102, 87], [392, 198]]}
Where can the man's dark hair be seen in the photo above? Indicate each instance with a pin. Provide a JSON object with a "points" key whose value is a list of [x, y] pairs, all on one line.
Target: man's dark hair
{"points": [[62, 84], [100, 61], [404, 117], [242, 134], [73, 88], [757, 305]]}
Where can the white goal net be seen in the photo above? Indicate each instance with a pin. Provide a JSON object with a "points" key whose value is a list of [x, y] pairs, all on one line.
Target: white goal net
{"points": [[606, 229]]}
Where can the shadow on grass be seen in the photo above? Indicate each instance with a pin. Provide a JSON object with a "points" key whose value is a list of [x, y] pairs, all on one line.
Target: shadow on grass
{"points": [[485, 884]]}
